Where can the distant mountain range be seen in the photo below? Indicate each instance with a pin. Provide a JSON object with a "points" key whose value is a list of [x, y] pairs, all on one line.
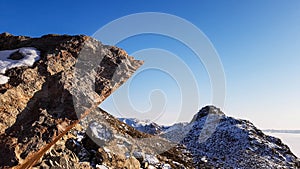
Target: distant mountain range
{"points": [[282, 131]]}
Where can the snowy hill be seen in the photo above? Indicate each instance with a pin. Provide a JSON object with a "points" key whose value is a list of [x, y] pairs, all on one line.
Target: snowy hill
{"points": [[145, 126], [234, 143]]}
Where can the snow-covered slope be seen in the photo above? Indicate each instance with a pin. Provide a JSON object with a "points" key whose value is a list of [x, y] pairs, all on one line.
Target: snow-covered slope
{"points": [[9, 59], [234, 143], [145, 126]]}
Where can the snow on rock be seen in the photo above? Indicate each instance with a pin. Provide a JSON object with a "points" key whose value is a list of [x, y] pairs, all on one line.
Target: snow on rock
{"points": [[145, 126], [151, 167], [151, 159], [3, 79], [100, 132], [79, 136], [16, 58], [166, 166], [177, 132], [101, 166], [139, 155], [234, 144], [204, 159]]}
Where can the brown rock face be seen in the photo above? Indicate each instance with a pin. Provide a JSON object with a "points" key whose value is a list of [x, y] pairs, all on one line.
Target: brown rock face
{"points": [[49, 115], [121, 149], [40, 104]]}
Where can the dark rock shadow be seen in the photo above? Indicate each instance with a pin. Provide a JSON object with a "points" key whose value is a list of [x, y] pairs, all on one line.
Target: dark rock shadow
{"points": [[35, 126]]}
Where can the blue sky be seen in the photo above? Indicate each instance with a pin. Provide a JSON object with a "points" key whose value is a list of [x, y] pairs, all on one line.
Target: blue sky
{"points": [[257, 41]]}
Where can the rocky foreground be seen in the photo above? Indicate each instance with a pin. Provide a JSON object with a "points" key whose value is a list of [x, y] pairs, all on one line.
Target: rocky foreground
{"points": [[50, 88]]}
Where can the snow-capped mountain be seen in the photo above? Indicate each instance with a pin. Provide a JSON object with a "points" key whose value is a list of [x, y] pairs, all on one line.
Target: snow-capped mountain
{"points": [[145, 126], [233, 143]]}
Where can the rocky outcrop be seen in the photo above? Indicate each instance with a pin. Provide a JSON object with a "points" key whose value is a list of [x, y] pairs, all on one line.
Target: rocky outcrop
{"points": [[49, 115], [40, 103], [234, 144], [106, 142], [237, 144], [50, 89]]}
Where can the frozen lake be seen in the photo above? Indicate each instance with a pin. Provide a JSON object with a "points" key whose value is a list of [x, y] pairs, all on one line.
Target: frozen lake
{"points": [[290, 139]]}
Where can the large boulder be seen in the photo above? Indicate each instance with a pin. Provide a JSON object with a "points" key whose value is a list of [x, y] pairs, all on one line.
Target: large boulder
{"points": [[42, 101]]}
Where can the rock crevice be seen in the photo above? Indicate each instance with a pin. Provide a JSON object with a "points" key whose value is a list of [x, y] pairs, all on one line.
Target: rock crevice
{"points": [[40, 102]]}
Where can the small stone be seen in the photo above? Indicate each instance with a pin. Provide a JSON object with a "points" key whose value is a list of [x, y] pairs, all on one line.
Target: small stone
{"points": [[16, 56]]}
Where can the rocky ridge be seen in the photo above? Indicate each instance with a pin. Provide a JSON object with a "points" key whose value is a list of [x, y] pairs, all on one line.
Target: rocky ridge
{"points": [[96, 145], [234, 144], [49, 116], [48, 110]]}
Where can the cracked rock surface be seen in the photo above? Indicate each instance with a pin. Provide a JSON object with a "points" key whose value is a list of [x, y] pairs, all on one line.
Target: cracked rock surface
{"points": [[39, 103], [49, 116]]}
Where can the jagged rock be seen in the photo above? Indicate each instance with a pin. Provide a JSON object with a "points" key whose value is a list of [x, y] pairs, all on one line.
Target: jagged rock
{"points": [[207, 110], [40, 103], [234, 144], [41, 106], [132, 162], [121, 150]]}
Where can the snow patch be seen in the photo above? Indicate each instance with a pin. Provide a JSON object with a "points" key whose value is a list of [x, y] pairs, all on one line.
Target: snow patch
{"points": [[3, 79], [151, 159], [27, 57], [204, 159], [100, 131], [135, 122], [30, 55], [101, 166], [145, 126], [79, 137], [151, 167], [166, 166]]}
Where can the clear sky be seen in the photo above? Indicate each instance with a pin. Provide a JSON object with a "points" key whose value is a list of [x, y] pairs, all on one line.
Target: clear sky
{"points": [[257, 41]]}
